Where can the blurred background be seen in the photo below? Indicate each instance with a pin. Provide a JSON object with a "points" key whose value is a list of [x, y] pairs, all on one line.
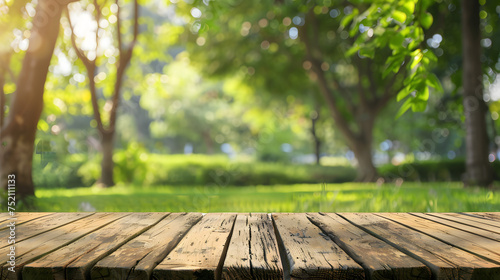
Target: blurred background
{"points": [[227, 105]]}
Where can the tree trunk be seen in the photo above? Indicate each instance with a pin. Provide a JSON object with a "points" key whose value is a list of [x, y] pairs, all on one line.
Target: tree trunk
{"points": [[317, 142], [107, 163], [366, 170], [362, 147], [478, 169], [209, 143], [18, 133]]}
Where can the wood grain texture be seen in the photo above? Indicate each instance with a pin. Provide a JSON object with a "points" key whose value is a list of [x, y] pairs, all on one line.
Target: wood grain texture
{"points": [[445, 261], [460, 226], [469, 242], [380, 260], [492, 216], [310, 254], [253, 250], [42, 244], [42, 224], [137, 258], [463, 220], [75, 260], [483, 218], [201, 252], [20, 218]]}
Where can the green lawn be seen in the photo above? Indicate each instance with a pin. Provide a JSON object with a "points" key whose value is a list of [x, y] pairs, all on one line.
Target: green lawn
{"points": [[347, 197]]}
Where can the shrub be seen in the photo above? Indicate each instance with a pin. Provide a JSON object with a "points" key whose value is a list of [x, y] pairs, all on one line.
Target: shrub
{"points": [[430, 171]]}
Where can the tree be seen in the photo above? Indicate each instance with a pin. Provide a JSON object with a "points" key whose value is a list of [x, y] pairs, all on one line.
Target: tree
{"points": [[90, 61], [18, 132], [295, 49], [478, 169]]}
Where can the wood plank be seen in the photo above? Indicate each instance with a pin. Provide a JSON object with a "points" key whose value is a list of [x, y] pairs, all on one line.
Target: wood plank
{"points": [[201, 252], [253, 250], [4, 216], [494, 216], [467, 241], [42, 224], [445, 261], [40, 245], [484, 218], [469, 221], [137, 258], [460, 226], [75, 260], [311, 254], [380, 260], [21, 218]]}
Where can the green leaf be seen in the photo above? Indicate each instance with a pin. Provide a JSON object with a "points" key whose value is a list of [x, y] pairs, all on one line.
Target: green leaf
{"points": [[399, 16], [352, 50], [408, 7], [403, 93], [396, 41], [433, 81], [418, 105], [424, 94], [368, 52], [416, 60], [426, 20], [393, 63], [346, 20], [406, 105]]}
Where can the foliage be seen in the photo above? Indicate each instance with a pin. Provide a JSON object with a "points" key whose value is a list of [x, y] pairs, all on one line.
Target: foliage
{"points": [[399, 26], [136, 166], [349, 197], [430, 171]]}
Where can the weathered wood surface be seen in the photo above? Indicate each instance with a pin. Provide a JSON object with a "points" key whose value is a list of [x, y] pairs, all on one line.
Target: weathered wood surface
{"points": [[137, 258], [200, 253], [253, 246], [445, 261], [75, 260], [33, 248], [19, 218], [379, 259], [311, 253], [253, 250], [42, 224], [484, 247]]}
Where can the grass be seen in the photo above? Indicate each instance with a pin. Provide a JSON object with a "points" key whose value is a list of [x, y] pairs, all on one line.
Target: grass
{"points": [[346, 197]]}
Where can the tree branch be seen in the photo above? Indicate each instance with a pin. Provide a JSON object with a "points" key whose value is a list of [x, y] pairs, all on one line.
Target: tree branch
{"points": [[90, 65], [125, 57], [339, 119]]}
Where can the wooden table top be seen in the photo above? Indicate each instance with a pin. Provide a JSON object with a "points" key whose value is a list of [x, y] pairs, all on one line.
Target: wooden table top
{"points": [[251, 246]]}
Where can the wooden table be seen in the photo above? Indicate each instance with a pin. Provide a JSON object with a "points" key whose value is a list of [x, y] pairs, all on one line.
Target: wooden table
{"points": [[252, 246]]}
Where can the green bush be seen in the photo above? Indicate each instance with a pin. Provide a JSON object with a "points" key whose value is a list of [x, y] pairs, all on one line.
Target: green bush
{"points": [[135, 166], [430, 171]]}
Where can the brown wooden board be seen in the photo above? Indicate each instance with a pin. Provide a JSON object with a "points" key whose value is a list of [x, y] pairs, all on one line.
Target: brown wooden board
{"points": [[75, 260], [42, 224], [21, 218], [484, 218], [201, 252], [469, 221], [311, 254], [475, 230], [253, 250], [469, 242], [494, 216], [137, 258], [380, 260], [42, 244], [445, 261]]}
